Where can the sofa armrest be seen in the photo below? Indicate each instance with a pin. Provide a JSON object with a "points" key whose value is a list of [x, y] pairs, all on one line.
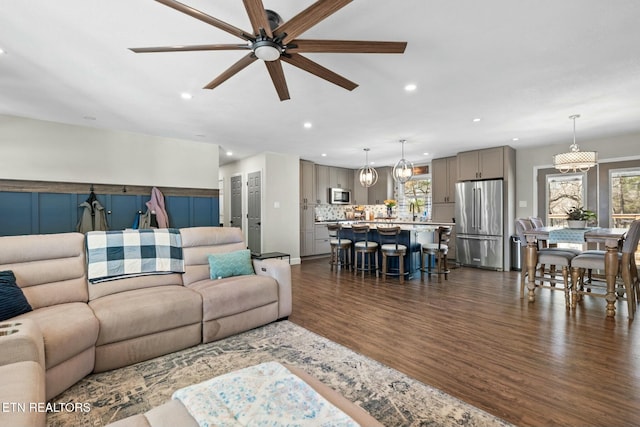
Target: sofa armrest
{"points": [[21, 341], [280, 270]]}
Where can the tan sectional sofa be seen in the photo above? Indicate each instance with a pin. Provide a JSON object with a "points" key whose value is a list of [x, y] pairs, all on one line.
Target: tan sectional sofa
{"points": [[96, 327]]}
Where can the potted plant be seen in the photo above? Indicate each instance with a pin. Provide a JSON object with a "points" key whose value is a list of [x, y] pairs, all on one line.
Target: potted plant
{"points": [[578, 216]]}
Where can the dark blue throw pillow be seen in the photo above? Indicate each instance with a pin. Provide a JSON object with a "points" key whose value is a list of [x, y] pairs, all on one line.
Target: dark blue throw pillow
{"points": [[12, 300]]}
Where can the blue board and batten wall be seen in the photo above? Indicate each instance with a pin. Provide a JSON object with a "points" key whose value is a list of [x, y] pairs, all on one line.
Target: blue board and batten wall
{"points": [[44, 208]]}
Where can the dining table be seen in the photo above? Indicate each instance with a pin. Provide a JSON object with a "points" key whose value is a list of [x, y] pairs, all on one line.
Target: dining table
{"points": [[610, 237]]}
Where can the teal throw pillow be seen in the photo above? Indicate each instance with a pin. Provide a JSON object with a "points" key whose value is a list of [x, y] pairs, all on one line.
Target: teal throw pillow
{"points": [[12, 300], [229, 264]]}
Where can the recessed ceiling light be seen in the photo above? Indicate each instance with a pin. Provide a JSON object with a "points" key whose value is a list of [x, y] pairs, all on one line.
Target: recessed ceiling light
{"points": [[426, 154], [1, 51], [229, 153], [324, 154], [516, 139], [410, 87], [308, 125], [185, 95], [476, 120]]}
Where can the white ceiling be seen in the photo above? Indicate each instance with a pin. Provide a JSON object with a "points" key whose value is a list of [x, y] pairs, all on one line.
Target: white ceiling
{"points": [[521, 66]]}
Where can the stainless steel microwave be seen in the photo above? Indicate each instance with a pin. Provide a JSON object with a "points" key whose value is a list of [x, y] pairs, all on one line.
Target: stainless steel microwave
{"points": [[339, 196]]}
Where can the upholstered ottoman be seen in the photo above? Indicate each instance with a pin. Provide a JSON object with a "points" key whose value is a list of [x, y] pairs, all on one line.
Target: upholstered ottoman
{"points": [[284, 387]]}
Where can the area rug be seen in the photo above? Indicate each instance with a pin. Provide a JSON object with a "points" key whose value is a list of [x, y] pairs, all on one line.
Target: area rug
{"points": [[388, 395]]}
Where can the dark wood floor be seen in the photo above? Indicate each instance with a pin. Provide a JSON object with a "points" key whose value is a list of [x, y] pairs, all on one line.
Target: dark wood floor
{"points": [[532, 364]]}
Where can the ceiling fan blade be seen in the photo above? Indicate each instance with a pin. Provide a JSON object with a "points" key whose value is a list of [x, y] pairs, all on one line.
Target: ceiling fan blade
{"points": [[190, 48], [257, 16], [195, 13], [318, 70], [309, 17], [347, 46], [231, 71], [277, 76]]}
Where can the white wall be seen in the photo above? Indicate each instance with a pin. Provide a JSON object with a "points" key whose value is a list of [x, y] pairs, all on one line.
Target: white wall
{"points": [[280, 195], [528, 160], [47, 151]]}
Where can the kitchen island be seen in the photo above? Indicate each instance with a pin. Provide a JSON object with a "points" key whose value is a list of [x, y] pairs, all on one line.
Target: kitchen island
{"points": [[412, 234]]}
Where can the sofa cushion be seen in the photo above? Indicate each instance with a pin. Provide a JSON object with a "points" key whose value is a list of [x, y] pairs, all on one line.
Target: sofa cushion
{"points": [[140, 312], [67, 329], [200, 242], [225, 297], [12, 300], [50, 268], [236, 263]]}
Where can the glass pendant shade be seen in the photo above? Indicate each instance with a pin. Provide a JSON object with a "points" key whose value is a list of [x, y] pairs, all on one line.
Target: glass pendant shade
{"points": [[575, 160], [403, 170], [367, 175]]}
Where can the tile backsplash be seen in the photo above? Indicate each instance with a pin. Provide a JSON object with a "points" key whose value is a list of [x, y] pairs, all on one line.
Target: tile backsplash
{"points": [[331, 212]]}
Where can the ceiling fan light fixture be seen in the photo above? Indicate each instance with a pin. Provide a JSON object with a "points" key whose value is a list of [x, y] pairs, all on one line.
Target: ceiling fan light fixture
{"points": [[575, 160], [266, 50]]}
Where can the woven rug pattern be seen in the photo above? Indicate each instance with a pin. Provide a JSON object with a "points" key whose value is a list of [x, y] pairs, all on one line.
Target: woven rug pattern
{"points": [[388, 395]]}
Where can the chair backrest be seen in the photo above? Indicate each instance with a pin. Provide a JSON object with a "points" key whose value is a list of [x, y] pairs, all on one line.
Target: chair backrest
{"points": [[388, 234], [536, 222], [522, 225], [632, 238], [444, 235], [335, 231], [360, 232]]}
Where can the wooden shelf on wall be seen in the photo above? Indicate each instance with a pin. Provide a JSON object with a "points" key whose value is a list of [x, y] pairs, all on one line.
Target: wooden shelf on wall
{"points": [[79, 187]]}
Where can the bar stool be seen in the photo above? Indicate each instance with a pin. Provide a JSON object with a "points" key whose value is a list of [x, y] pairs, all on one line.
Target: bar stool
{"points": [[391, 234], [340, 248], [363, 246], [437, 251]]}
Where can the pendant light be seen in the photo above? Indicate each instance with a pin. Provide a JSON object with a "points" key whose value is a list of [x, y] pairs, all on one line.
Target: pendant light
{"points": [[575, 160], [368, 176], [403, 170]]}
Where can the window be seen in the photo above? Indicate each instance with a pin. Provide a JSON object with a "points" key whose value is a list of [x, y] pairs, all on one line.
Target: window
{"points": [[563, 192], [418, 194], [624, 193]]}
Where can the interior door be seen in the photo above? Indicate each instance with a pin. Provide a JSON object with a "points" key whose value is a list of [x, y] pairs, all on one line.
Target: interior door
{"points": [[236, 201], [254, 193]]}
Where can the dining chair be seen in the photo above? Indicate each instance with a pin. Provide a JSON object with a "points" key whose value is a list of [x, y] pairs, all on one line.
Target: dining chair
{"points": [[340, 247], [366, 249], [536, 222], [390, 247], [627, 281], [436, 252], [553, 257]]}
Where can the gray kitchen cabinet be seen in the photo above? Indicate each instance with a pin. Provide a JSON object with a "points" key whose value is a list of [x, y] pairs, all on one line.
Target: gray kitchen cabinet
{"points": [[340, 178], [359, 194], [383, 189], [481, 164], [322, 240], [323, 184], [307, 182], [444, 174], [307, 229]]}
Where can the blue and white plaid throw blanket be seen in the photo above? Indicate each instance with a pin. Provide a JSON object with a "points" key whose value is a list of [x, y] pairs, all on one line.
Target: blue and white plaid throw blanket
{"points": [[115, 255]]}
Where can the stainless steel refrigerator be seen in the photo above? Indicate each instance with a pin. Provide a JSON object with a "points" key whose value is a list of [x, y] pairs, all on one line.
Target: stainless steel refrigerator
{"points": [[479, 223]]}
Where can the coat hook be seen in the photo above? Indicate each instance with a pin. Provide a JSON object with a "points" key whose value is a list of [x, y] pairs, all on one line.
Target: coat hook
{"points": [[91, 188], [124, 188]]}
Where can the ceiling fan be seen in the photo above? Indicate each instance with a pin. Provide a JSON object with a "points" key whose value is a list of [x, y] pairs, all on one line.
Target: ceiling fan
{"points": [[274, 40]]}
